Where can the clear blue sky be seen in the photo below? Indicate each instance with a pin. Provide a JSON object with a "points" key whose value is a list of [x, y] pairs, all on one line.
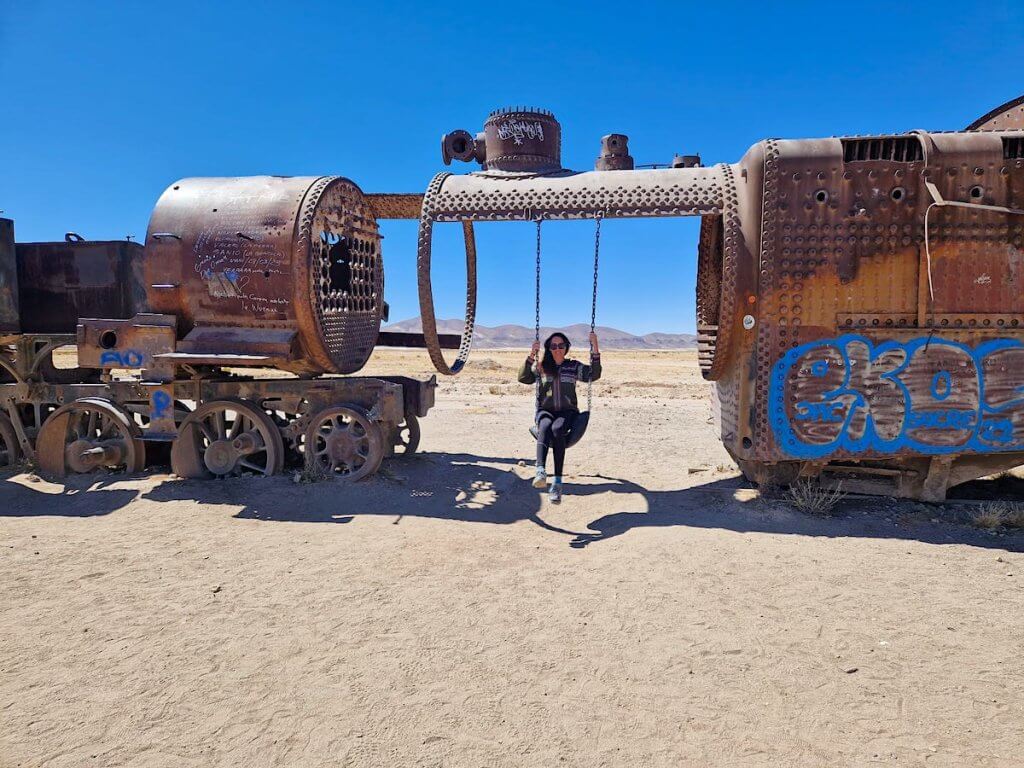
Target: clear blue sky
{"points": [[103, 105]]}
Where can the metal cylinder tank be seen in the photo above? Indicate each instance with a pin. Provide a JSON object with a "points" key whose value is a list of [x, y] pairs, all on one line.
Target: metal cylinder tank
{"points": [[523, 140], [286, 270]]}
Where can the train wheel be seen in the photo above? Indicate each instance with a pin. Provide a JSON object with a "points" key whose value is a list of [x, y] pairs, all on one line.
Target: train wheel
{"points": [[10, 450], [88, 434], [227, 437], [407, 437], [344, 442]]}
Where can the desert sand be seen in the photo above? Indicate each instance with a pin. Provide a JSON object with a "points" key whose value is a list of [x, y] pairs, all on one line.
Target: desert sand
{"points": [[443, 613]]}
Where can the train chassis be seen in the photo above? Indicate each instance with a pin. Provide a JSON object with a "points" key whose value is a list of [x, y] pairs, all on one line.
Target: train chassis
{"points": [[217, 424]]}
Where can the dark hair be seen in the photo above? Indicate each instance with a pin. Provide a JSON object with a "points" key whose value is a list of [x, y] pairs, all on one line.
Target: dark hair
{"points": [[547, 363]]}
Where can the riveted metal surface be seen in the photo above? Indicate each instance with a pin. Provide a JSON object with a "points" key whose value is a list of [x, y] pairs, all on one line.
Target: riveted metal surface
{"points": [[731, 240], [518, 139], [856, 359], [860, 304], [709, 289], [606, 194], [299, 254], [424, 250], [769, 322], [348, 281], [1007, 117], [612, 194]]}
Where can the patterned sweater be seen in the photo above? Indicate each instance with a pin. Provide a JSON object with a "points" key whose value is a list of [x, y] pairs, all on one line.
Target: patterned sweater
{"points": [[558, 392]]}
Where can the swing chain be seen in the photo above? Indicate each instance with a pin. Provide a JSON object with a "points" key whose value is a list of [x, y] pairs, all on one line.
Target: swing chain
{"points": [[536, 331], [593, 300]]}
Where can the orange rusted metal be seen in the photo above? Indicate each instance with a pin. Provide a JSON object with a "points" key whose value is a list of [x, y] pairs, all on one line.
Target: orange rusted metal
{"points": [[859, 299], [284, 268], [857, 322]]}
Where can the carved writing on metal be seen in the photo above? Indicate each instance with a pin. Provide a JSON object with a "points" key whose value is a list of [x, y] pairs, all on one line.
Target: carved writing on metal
{"points": [[931, 395], [237, 261]]}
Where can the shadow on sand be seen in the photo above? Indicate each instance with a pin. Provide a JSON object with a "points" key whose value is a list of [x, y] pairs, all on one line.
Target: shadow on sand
{"points": [[83, 496], [481, 489]]}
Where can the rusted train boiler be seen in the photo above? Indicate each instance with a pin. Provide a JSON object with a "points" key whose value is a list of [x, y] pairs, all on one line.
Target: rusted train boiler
{"points": [[235, 274], [860, 300], [859, 307]]}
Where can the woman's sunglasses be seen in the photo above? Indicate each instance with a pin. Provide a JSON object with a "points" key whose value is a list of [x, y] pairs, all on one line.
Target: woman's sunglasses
{"points": [[557, 346]]}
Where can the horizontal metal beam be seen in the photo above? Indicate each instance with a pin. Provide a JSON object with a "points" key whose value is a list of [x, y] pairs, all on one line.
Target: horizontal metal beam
{"points": [[399, 339], [396, 205]]}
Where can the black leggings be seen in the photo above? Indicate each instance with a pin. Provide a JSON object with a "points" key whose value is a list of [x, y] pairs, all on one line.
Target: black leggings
{"points": [[552, 427]]}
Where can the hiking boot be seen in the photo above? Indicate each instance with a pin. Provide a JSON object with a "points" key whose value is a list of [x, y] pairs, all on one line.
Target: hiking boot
{"points": [[541, 480]]}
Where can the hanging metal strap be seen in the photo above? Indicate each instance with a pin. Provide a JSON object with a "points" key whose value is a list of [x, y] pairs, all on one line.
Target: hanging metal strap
{"points": [[536, 330], [593, 301]]}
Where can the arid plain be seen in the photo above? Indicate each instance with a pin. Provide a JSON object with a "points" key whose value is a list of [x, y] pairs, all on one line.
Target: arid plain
{"points": [[443, 613]]}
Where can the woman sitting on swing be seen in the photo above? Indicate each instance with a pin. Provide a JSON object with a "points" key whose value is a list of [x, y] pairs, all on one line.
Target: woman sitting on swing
{"points": [[556, 400]]}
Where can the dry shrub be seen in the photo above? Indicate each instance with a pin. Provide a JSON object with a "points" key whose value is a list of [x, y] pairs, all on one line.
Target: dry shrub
{"points": [[488, 364], [812, 499], [999, 514]]}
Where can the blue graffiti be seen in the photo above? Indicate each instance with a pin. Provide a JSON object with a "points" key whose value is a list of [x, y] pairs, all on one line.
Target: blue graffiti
{"points": [[160, 402], [819, 368], [927, 394], [128, 358], [942, 385], [828, 412]]}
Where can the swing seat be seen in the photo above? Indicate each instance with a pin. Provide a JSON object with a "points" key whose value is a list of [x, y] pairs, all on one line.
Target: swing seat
{"points": [[577, 429]]}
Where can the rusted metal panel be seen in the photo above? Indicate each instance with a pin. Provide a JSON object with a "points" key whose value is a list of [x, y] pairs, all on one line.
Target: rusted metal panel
{"points": [[127, 344], [61, 282], [835, 326], [859, 299], [271, 253], [395, 205], [419, 395], [10, 320], [1006, 117], [856, 358], [611, 194], [270, 344]]}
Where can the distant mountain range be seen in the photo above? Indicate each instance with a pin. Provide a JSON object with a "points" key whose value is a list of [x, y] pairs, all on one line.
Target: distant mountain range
{"points": [[505, 336]]}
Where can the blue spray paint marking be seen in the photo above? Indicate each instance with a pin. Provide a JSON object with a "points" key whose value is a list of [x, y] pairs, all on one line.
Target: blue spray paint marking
{"points": [[822, 412], [159, 404], [974, 417], [942, 385], [128, 358]]}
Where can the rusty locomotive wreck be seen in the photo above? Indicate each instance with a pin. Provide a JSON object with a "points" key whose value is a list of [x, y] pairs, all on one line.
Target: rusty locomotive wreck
{"points": [[235, 274], [859, 306]]}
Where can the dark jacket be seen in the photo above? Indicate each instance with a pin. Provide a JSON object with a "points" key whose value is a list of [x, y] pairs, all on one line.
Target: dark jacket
{"points": [[558, 392]]}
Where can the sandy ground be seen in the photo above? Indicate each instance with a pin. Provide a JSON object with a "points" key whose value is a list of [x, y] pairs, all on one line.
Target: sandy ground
{"points": [[443, 614]]}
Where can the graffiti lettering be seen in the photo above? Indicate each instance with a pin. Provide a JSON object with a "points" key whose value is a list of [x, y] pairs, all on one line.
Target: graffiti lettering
{"points": [[928, 394], [159, 403], [517, 130], [128, 358]]}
